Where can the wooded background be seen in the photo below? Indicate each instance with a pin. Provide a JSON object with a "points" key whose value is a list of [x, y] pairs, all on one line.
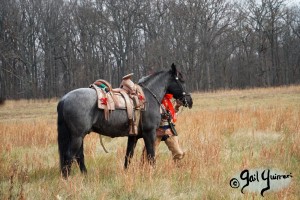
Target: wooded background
{"points": [[49, 47]]}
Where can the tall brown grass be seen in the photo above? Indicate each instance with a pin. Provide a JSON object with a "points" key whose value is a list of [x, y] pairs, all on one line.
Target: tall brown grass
{"points": [[224, 133]]}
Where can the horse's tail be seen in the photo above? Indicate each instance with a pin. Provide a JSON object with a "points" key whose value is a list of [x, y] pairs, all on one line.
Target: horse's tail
{"points": [[63, 137]]}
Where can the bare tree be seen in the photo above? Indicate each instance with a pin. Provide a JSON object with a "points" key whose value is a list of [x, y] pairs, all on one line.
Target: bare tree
{"points": [[49, 47]]}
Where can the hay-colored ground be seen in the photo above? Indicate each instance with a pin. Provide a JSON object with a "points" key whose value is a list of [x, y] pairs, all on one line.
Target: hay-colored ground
{"points": [[224, 133]]}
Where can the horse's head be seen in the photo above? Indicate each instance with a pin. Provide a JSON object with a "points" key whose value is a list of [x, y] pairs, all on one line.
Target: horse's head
{"points": [[178, 89]]}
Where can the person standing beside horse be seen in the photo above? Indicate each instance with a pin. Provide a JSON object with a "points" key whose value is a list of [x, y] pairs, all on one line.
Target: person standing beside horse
{"points": [[166, 131]]}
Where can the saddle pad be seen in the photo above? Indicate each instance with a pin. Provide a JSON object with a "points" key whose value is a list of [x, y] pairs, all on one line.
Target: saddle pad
{"points": [[111, 100]]}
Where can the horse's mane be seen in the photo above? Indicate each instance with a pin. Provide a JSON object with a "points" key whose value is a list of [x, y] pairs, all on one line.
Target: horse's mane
{"points": [[147, 78]]}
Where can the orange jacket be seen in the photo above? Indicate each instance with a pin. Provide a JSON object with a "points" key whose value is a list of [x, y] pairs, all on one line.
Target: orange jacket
{"points": [[169, 106]]}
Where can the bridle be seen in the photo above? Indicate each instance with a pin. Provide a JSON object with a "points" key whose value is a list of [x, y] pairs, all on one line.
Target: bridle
{"points": [[182, 98]]}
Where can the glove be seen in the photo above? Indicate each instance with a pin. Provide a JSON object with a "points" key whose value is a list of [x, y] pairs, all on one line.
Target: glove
{"points": [[165, 116], [165, 137]]}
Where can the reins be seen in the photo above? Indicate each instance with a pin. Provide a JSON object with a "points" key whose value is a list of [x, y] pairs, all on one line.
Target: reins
{"points": [[101, 142], [154, 95]]}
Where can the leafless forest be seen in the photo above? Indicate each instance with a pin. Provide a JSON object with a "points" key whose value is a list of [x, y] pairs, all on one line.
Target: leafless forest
{"points": [[48, 47]]}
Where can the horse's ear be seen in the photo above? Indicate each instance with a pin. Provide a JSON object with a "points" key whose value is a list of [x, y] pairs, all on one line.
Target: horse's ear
{"points": [[174, 70]]}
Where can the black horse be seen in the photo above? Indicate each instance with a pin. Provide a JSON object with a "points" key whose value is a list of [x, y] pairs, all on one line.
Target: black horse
{"points": [[78, 115]]}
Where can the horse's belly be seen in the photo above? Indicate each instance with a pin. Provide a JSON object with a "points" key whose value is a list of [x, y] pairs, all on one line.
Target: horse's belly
{"points": [[112, 132], [117, 125]]}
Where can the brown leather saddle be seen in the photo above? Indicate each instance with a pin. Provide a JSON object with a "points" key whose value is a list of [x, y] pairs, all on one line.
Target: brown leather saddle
{"points": [[110, 99]]}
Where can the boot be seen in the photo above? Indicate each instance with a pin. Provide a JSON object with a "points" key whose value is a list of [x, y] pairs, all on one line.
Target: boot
{"points": [[173, 145]]}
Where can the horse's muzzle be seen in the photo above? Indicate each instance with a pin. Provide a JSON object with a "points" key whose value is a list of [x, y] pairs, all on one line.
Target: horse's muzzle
{"points": [[187, 101]]}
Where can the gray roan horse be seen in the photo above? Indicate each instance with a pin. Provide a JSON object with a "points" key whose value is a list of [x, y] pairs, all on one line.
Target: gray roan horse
{"points": [[78, 115]]}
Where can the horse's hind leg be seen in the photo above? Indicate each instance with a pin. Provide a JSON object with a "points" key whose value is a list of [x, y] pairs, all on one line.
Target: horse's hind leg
{"points": [[80, 159], [132, 140], [74, 148]]}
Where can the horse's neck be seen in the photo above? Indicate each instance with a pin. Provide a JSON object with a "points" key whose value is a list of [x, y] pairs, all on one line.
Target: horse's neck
{"points": [[158, 84]]}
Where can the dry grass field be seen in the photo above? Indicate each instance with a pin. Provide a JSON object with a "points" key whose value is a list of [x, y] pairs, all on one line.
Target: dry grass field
{"points": [[224, 133]]}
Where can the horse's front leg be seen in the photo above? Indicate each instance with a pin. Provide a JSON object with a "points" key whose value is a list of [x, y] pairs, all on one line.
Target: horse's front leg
{"points": [[149, 140], [131, 143]]}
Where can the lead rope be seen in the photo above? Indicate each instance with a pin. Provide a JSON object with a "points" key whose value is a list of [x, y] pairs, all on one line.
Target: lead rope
{"points": [[144, 86], [101, 142], [163, 109]]}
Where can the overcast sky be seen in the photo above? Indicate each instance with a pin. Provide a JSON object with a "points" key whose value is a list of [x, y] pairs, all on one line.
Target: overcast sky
{"points": [[288, 2], [293, 2]]}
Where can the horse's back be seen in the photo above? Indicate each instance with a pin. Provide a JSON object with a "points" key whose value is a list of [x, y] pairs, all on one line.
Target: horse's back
{"points": [[80, 94], [78, 108]]}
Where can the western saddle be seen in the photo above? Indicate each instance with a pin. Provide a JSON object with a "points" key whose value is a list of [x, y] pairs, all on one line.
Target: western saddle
{"points": [[129, 96]]}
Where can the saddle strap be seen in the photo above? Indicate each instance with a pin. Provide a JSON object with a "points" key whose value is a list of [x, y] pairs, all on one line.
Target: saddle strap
{"points": [[141, 97], [129, 106]]}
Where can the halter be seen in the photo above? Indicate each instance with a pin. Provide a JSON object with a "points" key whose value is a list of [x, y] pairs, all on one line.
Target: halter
{"points": [[184, 94], [182, 98]]}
